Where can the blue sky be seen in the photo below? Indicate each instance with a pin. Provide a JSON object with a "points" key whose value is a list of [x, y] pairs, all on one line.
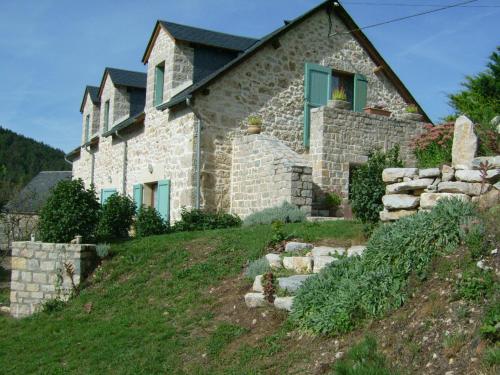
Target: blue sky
{"points": [[51, 49]]}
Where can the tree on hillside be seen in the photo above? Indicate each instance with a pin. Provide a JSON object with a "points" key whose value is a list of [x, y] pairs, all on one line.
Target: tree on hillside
{"points": [[480, 98]]}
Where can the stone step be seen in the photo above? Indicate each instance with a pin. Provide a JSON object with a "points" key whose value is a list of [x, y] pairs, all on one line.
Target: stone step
{"points": [[298, 264], [320, 213], [291, 247], [283, 303], [314, 218], [292, 283]]}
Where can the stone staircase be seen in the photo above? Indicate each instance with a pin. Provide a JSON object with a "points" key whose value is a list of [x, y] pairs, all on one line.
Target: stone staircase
{"points": [[299, 262]]}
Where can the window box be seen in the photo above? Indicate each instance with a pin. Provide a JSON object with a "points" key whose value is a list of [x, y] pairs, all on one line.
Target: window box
{"points": [[340, 104], [377, 111]]}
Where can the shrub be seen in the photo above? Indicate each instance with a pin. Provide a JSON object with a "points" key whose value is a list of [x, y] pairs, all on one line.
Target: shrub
{"points": [[202, 220], [333, 200], [490, 329], [476, 240], [286, 213], [475, 284], [367, 187], [149, 222], [257, 267], [433, 147], [412, 108], [359, 287], [492, 356], [70, 210], [116, 218]]}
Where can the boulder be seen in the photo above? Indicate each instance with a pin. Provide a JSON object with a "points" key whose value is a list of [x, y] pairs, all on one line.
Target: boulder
{"points": [[298, 264], [255, 300], [447, 173], [395, 215], [292, 283], [400, 201], [493, 161], [429, 200], [469, 188], [283, 303], [257, 284], [357, 250], [429, 172], [274, 260], [397, 174], [464, 145], [321, 262], [408, 186], [469, 175], [319, 251], [291, 247]]}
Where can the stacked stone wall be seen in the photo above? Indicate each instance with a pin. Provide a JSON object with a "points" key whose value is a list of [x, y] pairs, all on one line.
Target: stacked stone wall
{"points": [[39, 273], [265, 173]]}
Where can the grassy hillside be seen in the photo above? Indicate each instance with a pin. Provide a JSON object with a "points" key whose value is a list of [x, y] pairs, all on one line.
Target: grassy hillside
{"points": [[21, 158]]}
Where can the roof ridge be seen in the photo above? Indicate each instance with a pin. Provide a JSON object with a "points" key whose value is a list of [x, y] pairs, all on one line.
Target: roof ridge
{"points": [[210, 30]]}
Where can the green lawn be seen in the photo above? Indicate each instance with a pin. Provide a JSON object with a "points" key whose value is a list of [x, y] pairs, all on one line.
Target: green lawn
{"points": [[163, 305]]}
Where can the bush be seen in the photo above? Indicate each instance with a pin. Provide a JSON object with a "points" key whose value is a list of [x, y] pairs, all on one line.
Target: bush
{"points": [[490, 329], [367, 187], [149, 222], [70, 210], [475, 284], [116, 218], [286, 213], [202, 220], [257, 267], [476, 240], [433, 147], [359, 287]]}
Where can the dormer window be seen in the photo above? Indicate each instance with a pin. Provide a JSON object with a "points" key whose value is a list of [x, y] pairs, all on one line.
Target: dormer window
{"points": [[106, 116], [159, 81]]}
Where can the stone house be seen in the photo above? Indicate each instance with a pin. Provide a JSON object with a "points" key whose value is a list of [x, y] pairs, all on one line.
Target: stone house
{"points": [[176, 136]]}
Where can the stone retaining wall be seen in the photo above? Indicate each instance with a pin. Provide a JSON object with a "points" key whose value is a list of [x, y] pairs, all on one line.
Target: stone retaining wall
{"points": [[39, 273], [265, 173]]}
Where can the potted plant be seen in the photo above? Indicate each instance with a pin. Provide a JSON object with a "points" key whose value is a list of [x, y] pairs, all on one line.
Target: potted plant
{"points": [[339, 99], [254, 124], [412, 113], [332, 201], [378, 109]]}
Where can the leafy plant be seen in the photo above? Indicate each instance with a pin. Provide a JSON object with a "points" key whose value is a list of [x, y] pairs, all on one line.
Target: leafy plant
{"points": [[254, 120], [269, 286], [476, 240], [257, 267], [475, 284], [492, 356], [433, 147], [333, 200], [286, 213], [367, 187], [70, 210], [149, 222], [490, 329], [355, 288], [412, 108], [203, 220], [116, 218], [279, 234], [339, 94], [53, 305]]}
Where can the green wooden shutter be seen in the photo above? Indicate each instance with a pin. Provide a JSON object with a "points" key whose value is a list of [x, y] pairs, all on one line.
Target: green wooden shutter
{"points": [[87, 128], [106, 115], [163, 196], [360, 92], [106, 193], [317, 92], [159, 79], [138, 196]]}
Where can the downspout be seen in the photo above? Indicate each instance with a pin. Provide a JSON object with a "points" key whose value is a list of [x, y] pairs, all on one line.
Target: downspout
{"points": [[124, 170], [86, 147], [198, 153]]}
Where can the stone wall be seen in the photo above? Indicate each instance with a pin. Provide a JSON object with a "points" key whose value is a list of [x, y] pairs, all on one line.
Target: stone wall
{"points": [[93, 111], [265, 173], [270, 83], [39, 273], [341, 139]]}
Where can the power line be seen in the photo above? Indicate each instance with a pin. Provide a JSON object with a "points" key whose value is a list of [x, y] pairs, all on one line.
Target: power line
{"points": [[407, 17], [415, 5]]}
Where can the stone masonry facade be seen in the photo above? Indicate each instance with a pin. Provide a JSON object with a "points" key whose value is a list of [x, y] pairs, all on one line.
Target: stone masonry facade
{"points": [[341, 139], [265, 173], [39, 273]]}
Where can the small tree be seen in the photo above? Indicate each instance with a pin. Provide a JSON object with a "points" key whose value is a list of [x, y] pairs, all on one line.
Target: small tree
{"points": [[149, 222], [70, 210], [116, 218], [367, 187]]}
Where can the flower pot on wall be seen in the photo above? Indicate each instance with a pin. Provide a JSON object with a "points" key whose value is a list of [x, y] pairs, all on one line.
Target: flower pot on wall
{"points": [[254, 129], [340, 104], [413, 117], [377, 111]]}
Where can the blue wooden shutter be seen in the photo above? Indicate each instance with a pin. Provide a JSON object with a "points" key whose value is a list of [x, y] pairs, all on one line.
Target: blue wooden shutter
{"points": [[138, 196], [159, 79], [106, 115], [106, 193], [163, 196], [317, 92], [360, 92]]}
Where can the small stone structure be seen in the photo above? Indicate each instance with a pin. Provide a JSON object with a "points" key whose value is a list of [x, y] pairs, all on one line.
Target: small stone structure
{"points": [[265, 172], [40, 273]]}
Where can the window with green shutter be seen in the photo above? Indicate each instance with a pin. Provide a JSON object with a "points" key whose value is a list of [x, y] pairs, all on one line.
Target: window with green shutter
{"points": [[159, 81], [87, 128], [138, 193], [106, 116], [106, 193], [360, 92], [163, 199]]}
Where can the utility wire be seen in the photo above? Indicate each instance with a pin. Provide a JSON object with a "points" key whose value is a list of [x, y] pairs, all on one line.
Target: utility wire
{"points": [[406, 17], [415, 5]]}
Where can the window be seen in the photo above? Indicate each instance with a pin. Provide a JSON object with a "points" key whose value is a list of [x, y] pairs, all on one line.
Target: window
{"points": [[106, 115], [156, 195], [106, 193], [87, 128], [159, 80], [345, 81]]}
